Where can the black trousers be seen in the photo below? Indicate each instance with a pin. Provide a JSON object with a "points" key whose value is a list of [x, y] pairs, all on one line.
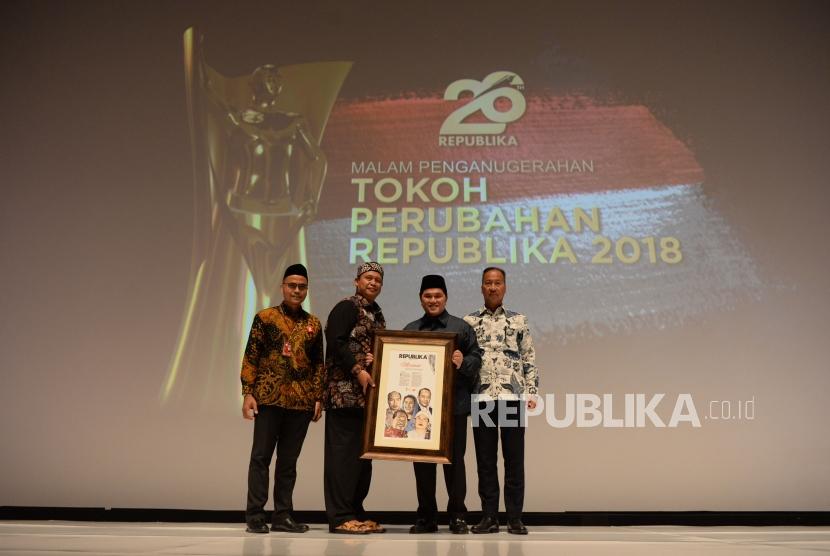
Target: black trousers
{"points": [[346, 477], [455, 478], [486, 440], [284, 429]]}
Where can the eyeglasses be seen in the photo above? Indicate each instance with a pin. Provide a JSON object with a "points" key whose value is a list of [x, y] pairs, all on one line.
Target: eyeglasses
{"points": [[293, 286]]}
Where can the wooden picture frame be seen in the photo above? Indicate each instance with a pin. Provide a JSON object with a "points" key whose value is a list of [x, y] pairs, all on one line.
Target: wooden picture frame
{"points": [[406, 363]]}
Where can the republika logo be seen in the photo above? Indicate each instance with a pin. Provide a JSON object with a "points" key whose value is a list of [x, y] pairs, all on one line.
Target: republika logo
{"points": [[457, 132]]}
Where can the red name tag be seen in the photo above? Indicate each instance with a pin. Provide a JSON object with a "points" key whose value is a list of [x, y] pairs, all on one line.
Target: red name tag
{"points": [[286, 349]]}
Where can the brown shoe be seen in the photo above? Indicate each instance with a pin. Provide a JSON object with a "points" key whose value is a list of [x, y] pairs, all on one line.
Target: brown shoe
{"points": [[373, 526], [351, 527]]}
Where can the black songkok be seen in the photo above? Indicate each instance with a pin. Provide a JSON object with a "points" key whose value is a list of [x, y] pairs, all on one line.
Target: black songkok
{"points": [[296, 270], [433, 281]]}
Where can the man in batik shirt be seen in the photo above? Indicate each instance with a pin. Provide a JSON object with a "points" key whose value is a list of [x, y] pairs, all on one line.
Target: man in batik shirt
{"points": [[282, 383], [350, 335], [507, 381]]}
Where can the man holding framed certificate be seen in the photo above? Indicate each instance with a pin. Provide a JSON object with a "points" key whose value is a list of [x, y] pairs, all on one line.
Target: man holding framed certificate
{"points": [[350, 331], [466, 359]]}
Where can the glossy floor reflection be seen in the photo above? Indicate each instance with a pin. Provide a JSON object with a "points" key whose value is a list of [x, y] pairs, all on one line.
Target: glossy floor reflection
{"points": [[53, 538]]}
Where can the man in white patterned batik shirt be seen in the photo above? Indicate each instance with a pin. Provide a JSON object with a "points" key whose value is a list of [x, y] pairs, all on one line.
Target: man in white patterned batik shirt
{"points": [[508, 381]]}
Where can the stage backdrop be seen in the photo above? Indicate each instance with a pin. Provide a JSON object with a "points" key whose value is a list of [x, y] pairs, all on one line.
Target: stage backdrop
{"points": [[651, 176]]}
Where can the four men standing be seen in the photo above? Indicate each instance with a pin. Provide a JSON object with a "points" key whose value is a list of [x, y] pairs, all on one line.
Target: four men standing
{"points": [[286, 383]]}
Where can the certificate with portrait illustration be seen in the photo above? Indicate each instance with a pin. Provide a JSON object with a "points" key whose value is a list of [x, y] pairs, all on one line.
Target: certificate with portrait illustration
{"points": [[409, 412]]}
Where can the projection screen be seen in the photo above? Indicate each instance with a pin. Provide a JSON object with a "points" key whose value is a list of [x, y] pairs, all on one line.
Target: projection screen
{"points": [[650, 175]]}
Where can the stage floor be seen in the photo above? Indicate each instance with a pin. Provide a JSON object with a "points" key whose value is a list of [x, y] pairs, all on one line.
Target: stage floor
{"points": [[27, 538]]}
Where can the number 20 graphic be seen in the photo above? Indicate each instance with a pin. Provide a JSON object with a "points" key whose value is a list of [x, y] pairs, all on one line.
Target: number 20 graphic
{"points": [[485, 94]]}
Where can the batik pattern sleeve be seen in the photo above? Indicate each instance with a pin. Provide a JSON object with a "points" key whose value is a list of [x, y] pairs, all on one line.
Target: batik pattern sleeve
{"points": [[318, 365], [250, 359], [339, 328], [528, 354]]}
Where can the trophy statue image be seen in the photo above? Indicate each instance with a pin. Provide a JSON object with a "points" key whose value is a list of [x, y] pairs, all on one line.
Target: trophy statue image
{"points": [[258, 171]]}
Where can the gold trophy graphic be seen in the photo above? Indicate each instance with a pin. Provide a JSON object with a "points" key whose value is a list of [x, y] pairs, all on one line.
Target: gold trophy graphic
{"points": [[258, 171]]}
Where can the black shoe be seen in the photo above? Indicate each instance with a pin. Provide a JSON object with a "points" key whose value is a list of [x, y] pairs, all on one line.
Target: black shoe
{"points": [[257, 525], [488, 524], [516, 527], [288, 525], [458, 526], [423, 526]]}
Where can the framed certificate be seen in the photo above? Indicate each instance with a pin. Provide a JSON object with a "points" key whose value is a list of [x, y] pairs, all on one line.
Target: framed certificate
{"points": [[409, 412]]}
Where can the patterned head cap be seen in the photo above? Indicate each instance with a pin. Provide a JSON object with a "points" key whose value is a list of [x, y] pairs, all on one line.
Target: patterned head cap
{"points": [[366, 267]]}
